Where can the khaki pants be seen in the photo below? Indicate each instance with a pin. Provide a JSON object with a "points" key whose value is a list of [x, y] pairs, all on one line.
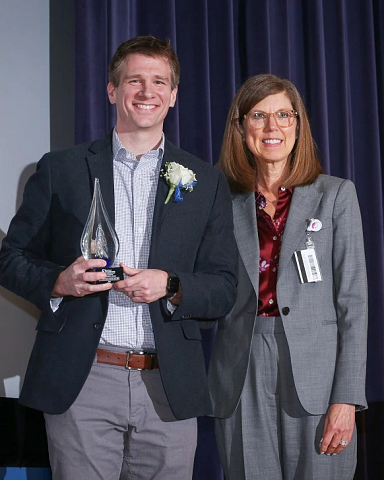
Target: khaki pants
{"points": [[121, 427]]}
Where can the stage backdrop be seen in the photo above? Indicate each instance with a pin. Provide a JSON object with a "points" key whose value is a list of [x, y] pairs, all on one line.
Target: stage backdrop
{"points": [[36, 97], [24, 138], [331, 49]]}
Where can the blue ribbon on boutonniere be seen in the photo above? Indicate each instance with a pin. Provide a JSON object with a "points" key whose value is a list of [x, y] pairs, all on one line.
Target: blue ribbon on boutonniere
{"points": [[178, 196], [178, 178]]}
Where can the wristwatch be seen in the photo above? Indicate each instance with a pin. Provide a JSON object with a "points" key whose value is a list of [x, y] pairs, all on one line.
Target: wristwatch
{"points": [[173, 284]]}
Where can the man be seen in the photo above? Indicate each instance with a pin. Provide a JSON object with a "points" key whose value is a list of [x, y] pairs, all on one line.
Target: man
{"points": [[106, 418]]}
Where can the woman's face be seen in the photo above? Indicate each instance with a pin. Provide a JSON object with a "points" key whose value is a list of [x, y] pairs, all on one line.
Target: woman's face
{"points": [[271, 143]]}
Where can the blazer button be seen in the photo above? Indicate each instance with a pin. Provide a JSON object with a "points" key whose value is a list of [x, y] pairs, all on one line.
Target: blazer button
{"points": [[97, 326], [285, 310]]}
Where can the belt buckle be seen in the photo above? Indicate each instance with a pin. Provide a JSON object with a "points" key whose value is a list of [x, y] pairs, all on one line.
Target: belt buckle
{"points": [[133, 352]]}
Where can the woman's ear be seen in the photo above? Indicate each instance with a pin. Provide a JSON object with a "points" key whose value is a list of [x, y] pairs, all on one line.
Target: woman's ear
{"points": [[240, 129]]}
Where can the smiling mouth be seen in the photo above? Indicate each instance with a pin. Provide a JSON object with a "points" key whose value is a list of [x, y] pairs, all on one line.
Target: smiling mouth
{"points": [[272, 141], [144, 106]]}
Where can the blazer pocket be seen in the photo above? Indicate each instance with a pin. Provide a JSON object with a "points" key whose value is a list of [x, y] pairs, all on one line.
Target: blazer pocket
{"points": [[325, 223], [186, 213], [332, 321], [191, 329], [53, 324]]}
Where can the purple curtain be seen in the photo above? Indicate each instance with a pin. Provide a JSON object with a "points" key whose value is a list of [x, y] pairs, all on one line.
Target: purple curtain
{"points": [[333, 50]]}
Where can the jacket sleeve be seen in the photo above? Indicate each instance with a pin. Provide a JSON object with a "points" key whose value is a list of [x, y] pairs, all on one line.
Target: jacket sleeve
{"points": [[350, 297], [210, 291], [25, 267]]}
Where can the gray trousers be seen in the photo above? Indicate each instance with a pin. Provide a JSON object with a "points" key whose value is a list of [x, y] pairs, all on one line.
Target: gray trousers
{"points": [[121, 427], [270, 436]]}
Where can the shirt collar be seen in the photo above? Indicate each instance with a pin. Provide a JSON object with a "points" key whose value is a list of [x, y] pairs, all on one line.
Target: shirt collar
{"points": [[121, 153], [261, 201]]}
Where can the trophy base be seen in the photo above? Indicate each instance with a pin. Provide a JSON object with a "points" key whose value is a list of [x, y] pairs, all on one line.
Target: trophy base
{"points": [[114, 274]]}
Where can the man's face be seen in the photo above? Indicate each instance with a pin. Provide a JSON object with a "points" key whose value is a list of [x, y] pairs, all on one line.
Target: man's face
{"points": [[144, 93]]}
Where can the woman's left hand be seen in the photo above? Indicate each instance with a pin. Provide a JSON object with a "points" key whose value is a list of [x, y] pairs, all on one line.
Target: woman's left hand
{"points": [[338, 427]]}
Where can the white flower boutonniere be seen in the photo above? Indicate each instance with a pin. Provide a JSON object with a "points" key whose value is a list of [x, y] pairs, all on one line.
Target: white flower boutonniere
{"points": [[178, 178]]}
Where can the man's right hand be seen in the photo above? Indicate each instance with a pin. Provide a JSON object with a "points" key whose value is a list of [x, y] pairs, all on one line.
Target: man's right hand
{"points": [[75, 279]]}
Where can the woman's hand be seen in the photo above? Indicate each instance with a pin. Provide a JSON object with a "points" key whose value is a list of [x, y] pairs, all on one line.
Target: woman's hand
{"points": [[339, 426]]}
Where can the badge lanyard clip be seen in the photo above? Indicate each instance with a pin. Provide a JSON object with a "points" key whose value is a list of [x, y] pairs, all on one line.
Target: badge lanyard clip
{"points": [[309, 242], [306, 260]]}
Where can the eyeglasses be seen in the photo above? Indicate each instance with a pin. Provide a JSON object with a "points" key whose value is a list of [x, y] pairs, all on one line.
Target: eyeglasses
{"points": [[283, 118]]}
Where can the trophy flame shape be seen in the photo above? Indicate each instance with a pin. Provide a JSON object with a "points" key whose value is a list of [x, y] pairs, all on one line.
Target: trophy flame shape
{"points": [[99, 239]]}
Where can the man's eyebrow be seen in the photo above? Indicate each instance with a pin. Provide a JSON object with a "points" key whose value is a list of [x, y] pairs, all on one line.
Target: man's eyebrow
{"points": [[139, 75]]}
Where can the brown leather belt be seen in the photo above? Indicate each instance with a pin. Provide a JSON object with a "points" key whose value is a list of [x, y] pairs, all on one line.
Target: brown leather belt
{"points": [[132, 360]]}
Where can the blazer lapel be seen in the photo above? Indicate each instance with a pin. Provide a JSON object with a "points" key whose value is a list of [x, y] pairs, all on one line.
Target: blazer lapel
{"points": [[304, 203], [100, 165], [161, 208], [247, 239]]}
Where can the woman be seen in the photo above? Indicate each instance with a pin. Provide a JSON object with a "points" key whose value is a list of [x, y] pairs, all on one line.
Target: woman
{"points": [[288, 368]]}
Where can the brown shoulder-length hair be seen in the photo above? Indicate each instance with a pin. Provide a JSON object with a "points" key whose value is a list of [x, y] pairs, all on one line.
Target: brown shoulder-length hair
{"points": [[236, 160]]}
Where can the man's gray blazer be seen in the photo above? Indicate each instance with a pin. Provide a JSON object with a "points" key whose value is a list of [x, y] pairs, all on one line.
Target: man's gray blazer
{"points": [[325, 322]]}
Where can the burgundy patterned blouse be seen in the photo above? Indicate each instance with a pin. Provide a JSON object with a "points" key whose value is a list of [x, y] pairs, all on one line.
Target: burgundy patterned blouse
{"points": [[270, 233]]}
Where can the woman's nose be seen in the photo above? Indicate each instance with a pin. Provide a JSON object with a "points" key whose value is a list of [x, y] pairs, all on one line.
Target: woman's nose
{"points": [[271, 123]]}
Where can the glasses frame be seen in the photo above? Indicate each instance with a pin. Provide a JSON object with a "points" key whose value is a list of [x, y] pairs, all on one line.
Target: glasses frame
{"points": [[291, 113]]}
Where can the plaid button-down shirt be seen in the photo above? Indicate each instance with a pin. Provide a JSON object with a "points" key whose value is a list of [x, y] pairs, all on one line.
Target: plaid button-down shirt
{"points": [[128, 324]]}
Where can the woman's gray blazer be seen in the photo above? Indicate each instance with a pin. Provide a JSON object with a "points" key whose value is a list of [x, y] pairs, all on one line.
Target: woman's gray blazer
{"points": [[325, 322]]}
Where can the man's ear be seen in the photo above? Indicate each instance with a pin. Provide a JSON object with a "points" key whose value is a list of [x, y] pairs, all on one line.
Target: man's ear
{"points": [[111, 92], [173, 96]]}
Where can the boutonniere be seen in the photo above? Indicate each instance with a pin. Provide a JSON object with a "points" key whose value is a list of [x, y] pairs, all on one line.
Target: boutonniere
{"points": [[178, 178]]}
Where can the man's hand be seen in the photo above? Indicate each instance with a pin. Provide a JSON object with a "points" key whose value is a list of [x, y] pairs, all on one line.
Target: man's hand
{"points": [[75, 279], [339, 425], [143, 286]]}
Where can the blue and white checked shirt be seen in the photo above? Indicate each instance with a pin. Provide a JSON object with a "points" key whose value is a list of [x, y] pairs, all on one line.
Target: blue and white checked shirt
{"points": [[128, 324]]}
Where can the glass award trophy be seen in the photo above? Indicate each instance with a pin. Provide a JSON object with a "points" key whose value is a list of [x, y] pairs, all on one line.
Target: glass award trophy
{"points": [[99, 239]]}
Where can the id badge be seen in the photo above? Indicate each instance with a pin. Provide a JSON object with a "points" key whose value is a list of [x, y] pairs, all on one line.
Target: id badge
{"points": [[308, 266]]}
